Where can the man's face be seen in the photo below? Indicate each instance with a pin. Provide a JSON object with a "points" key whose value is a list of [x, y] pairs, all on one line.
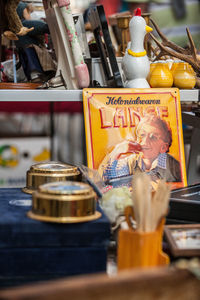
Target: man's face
{"points": [[150, 139]]}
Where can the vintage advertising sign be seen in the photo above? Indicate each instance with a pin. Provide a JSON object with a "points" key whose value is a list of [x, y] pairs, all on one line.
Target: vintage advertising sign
{"points": [[131, 129]]}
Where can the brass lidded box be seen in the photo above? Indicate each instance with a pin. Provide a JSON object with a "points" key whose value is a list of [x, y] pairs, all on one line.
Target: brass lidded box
{"points": [[47, 172], [64, 202]]}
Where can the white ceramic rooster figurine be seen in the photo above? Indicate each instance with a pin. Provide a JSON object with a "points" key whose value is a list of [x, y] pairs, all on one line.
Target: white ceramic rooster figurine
{"points": [[135, 63]]}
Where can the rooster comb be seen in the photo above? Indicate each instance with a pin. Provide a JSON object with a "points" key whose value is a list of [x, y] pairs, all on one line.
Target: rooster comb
{"points": [[137, 12]]}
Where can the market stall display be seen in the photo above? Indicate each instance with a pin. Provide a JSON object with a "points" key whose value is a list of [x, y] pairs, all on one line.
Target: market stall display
{"points": [[135, 144]]}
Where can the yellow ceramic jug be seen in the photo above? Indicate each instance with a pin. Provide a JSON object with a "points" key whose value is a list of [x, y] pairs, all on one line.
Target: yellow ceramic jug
{"points": [[152, 67], [175, 65], [170, 63], [161, 77], [191, 69], [184, 77]]}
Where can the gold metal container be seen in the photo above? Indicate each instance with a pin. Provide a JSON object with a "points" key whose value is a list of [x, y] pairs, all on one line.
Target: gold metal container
{"points": [[64, 202], [49, 172]]}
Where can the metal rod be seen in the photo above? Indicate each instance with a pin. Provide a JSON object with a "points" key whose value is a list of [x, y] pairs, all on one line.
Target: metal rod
{"points": [[52, 130]]}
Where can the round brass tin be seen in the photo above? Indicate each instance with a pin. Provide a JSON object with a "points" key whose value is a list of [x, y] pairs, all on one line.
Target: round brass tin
{"points": [[64, 202], [49, 172]]}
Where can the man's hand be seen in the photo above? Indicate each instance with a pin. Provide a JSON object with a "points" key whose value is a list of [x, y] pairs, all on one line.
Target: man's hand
{"points": [[134, 147], [10, 35], [24, 31], [127, 148]]}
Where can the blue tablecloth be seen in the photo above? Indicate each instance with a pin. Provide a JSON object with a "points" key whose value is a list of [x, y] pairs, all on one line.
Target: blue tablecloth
{"points": [[31, 250]]}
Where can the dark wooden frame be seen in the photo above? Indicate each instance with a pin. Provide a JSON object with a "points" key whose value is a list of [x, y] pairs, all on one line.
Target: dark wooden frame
{"points": [[175, 250]]}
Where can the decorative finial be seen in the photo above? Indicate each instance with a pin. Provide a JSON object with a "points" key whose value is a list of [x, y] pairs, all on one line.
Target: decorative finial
{"points": [[137, 12]]}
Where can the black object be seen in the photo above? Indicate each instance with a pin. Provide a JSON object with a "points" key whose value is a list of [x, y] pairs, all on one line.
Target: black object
{"points": [[99, 25], [120, 181], [3, 24], [179, 8], [185, 205], [52, 129]]}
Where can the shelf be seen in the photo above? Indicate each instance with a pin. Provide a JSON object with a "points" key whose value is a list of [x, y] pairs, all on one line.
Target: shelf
{"points": [[190, 95], [70, 95], [41, 95]]}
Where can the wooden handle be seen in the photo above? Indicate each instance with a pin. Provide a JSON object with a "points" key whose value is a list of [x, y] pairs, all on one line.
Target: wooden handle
{"points": [[129, 213]]}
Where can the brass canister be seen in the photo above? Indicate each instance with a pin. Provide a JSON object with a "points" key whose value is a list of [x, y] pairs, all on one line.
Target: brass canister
{"points": [[47, 172], [64, 202]]}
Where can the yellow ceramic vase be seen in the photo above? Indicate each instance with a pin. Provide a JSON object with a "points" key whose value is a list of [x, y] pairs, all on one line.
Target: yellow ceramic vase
{"points": [[152, 67], [169, 63], [161, 77], [191, 69], [184, 76], [174, 66]]}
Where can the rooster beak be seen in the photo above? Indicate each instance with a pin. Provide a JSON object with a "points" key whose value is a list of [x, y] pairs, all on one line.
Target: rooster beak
{"points": [[148, 28]]}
